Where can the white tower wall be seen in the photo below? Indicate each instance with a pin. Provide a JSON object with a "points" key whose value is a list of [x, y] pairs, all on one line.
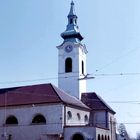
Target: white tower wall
{"points": [[71, 81]]}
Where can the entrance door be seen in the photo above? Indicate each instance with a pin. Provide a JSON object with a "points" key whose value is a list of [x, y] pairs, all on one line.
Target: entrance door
{"points": [[78, 137]]}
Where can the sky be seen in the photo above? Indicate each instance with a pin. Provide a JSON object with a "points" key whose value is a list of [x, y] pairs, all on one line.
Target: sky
{"points": [[30, 31]]}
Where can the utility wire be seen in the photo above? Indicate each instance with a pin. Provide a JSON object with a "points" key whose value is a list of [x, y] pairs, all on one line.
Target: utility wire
{"points": [[54, 78], [117, 59], [118, 74]]}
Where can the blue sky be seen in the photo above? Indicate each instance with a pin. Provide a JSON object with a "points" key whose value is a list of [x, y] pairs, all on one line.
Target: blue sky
{"points": [[30, 31]]}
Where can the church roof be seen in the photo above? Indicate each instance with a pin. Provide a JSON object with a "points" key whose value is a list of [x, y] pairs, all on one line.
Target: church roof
{"points": [[37, 94], [95, 102]]}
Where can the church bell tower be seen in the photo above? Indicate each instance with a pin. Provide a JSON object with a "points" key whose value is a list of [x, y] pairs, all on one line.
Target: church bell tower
{"points": [[72, 58]]}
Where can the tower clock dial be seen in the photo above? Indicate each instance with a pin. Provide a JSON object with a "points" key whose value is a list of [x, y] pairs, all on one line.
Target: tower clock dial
{"points": [[68, 48]]}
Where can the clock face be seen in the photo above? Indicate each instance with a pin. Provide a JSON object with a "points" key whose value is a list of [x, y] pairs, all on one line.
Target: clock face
{"points": [[68, 48]]}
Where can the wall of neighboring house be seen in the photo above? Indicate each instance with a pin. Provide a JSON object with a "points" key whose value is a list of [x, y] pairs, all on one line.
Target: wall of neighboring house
{"points": [[112, 126], [103, 134], [110, 132], [100, 119], [105, 120], [76, 117], [26, 129]]}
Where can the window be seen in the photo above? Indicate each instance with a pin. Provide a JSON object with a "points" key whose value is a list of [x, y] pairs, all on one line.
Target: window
{"points": [[75, 21], [69, 115], [11, 120], [86, 118], [39, 119], [99, 137], [78, 137], [108, 138], [78, 116], [71, 21], [68, 65], [102, 137], [82, 67], [105, 137]]}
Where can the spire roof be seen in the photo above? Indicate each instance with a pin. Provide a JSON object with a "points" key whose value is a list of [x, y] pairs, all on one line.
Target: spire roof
{"points": [[72, 9], [72, 32]]}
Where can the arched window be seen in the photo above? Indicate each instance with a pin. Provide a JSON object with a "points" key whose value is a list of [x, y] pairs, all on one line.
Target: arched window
{"points": [[69, 115], [39, 119], [108, 138], [105, 137], [78, 137], [86, 118], [11, 120], [68, 65], [99, 137], [78, 116], [82, 67], [102, 137]]}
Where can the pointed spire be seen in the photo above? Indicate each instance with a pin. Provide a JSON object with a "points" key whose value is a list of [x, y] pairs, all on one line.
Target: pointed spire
{"points": [[72, 32], [72, 9]]}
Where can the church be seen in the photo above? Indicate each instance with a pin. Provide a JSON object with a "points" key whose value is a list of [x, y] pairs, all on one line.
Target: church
{"points": [[66, 112]]}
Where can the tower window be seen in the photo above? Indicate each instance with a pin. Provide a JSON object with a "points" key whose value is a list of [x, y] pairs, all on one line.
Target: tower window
{"points": [[71, 21], [68, 65], [82, 67], [75, 21]]}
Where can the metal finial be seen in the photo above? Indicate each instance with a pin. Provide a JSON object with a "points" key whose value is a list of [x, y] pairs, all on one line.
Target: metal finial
{"points": [[72, 3]]}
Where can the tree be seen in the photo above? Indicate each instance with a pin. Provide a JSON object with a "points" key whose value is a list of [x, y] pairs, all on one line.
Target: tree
{"points": [[138, 136], [123, 132]]}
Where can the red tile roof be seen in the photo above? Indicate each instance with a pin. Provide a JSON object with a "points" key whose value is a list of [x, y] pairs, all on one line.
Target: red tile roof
{"points": [[37, 94], [95, 102]]}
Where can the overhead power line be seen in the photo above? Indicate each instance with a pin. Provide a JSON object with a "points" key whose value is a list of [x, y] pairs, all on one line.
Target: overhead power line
{"points": [[54, 78], [117, 74], [118, 58]]}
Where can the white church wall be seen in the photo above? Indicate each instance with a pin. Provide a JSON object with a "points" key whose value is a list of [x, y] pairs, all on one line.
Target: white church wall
{"points": [[74, 120], [25, 129], [88, 133], [103, 133], [69, 81]]}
